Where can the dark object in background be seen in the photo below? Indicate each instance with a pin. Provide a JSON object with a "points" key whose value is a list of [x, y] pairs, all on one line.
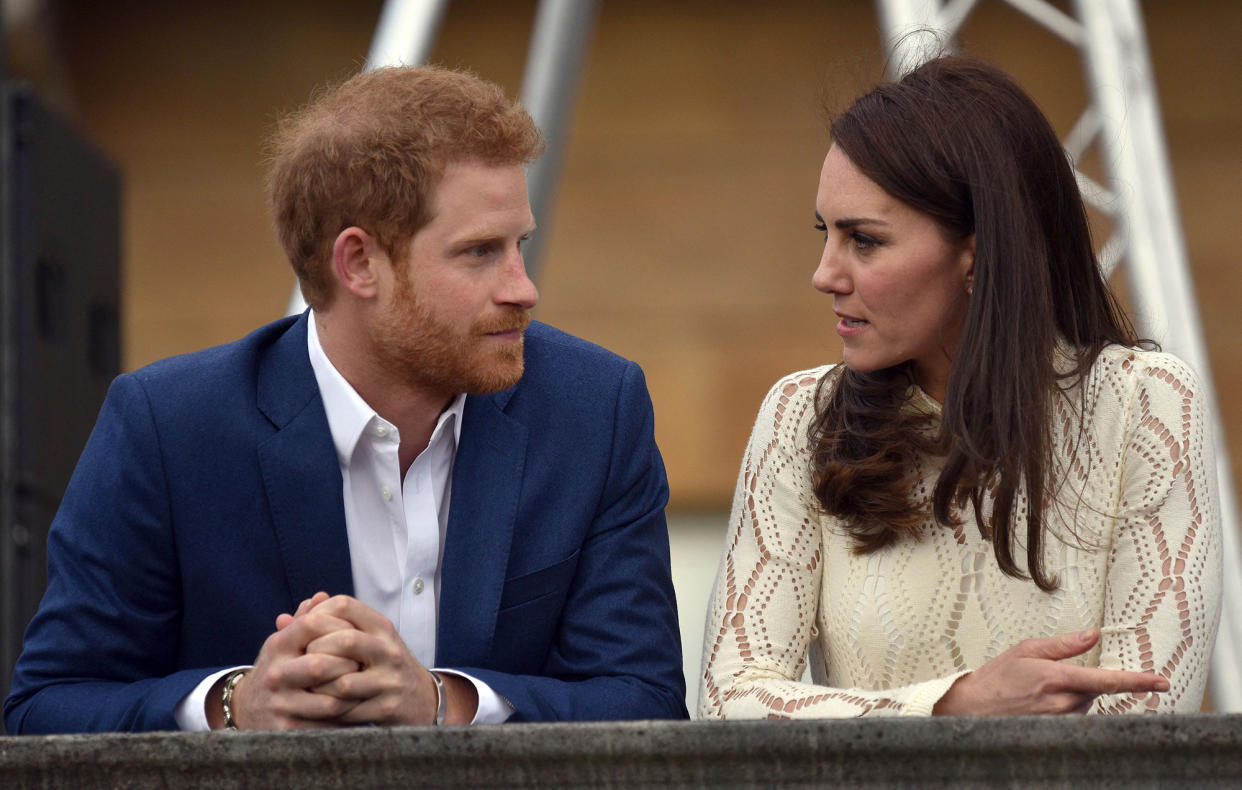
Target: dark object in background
{"points": [[59, 335]]}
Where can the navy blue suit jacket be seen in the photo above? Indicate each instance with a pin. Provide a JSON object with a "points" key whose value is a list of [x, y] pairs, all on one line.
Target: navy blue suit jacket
{"points": [[208, 500]]}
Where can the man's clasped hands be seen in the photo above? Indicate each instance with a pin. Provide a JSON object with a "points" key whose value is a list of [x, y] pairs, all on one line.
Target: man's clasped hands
{"points": [[336, 661]]}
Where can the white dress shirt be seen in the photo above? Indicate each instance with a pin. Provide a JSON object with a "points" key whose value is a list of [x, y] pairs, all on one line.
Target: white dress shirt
{"points": [[395, 527]]}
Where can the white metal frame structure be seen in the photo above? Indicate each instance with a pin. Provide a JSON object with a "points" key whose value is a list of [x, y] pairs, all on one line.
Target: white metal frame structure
{"points": [[405, 36], [558, 47], [1124, 119]]}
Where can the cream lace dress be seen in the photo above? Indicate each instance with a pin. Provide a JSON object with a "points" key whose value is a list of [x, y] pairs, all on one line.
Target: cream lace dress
{"points": [[1136, 552]]}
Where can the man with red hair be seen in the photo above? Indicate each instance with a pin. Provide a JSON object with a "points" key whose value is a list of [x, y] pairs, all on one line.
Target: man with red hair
{"points": [[409, 505]]}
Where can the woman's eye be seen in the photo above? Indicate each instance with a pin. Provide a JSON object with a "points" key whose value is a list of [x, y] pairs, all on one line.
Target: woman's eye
{"points": [[863, 242]]}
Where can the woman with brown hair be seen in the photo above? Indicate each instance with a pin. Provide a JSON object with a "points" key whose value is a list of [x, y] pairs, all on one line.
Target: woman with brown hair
{"points": [[1002, 501]]}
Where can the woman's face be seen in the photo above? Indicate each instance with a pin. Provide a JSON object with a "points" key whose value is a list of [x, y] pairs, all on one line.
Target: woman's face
{"points": [[898, 286]]}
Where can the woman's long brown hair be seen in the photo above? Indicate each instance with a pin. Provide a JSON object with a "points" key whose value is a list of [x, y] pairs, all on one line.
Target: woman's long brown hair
{"points": [[960, 141]]}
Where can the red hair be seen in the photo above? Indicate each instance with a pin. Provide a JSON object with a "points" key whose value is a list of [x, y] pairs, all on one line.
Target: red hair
{"points": [[369, 153]]}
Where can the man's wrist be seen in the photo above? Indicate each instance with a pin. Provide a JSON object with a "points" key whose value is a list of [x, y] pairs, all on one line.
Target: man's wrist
{"points": [[227, 689], [441, 699], [461, 699], [209, 699]]}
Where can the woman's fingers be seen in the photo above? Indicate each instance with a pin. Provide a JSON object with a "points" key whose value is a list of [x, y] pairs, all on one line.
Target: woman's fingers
{"points": [[1095, 681], [1088, 680], [1083, 706], [1055, 648], [1032, 678]]}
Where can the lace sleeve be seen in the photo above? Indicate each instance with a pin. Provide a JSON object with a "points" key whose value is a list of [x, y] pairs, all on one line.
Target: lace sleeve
{"points": [[763, 612], [1164, 566]]}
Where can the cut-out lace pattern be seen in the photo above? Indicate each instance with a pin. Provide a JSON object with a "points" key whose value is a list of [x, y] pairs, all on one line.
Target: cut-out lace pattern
{"points": [[1134, 542]]}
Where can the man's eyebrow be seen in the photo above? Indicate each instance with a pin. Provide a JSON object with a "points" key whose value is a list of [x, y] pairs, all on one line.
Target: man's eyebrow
{"points": [[477, 237], [481, 235]]}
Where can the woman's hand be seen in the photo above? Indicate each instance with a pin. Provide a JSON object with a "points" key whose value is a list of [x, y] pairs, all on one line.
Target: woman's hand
{"points": [[1029, 678]]}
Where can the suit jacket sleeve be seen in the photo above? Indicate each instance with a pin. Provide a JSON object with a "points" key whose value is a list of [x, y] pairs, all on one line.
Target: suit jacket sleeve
{"points": [[616, 651], [101, 652]]}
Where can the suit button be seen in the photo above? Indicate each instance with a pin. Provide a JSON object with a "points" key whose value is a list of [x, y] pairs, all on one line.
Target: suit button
{"points": [[418, 586]]}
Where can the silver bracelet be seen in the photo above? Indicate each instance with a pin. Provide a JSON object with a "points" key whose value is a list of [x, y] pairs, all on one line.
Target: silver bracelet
{"points": [[226, 696], [441, 698]]}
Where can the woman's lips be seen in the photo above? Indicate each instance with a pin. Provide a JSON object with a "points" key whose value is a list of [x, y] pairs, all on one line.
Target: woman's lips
{"points": [[849, 326]]}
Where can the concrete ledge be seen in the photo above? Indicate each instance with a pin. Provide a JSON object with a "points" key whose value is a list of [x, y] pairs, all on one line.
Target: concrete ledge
{"points": [[1147, 751]]}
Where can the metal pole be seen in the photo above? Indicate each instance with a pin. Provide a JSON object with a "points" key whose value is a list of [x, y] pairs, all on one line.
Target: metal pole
{"points": [[406, 33], [901, 21], [404, 36], [549, 86], [1159, 273]]}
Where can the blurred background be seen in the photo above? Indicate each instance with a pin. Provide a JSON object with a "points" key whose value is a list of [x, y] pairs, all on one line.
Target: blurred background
{"points": [[681, 234]]}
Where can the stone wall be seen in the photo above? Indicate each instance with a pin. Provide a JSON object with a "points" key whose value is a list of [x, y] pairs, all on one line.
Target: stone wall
{"points": [[1075, 751]]}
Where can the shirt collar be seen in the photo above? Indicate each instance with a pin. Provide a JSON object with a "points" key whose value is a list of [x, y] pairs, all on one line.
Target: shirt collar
{"points": [[348, 414]]}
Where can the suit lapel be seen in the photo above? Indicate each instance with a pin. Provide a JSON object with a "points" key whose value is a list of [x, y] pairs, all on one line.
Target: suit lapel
{"points": [[487, 481], [300, 471]]}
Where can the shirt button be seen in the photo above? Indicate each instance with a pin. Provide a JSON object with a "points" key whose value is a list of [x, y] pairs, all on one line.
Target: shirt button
{"points": [[387, 492], [381, 430], [418, 586]]}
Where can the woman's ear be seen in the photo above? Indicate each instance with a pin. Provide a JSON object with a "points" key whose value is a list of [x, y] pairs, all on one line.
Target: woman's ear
{"points": [[355, 255], [967, 262]]}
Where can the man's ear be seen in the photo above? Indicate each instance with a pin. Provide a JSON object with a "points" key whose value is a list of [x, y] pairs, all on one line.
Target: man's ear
{"points": [[355, 262]]}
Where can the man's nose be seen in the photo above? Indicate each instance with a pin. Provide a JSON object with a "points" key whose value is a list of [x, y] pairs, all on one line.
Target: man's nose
{"points": [[517, 288]]}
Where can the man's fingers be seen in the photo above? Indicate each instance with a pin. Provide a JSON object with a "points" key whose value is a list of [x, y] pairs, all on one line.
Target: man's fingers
{"points": [[301, 631], [356, 686], [311, 603], [366, 649], [315, 624], [361, 616], [310, 671], [308, 708], [274, 698], [283, 620], [383, 709]]}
